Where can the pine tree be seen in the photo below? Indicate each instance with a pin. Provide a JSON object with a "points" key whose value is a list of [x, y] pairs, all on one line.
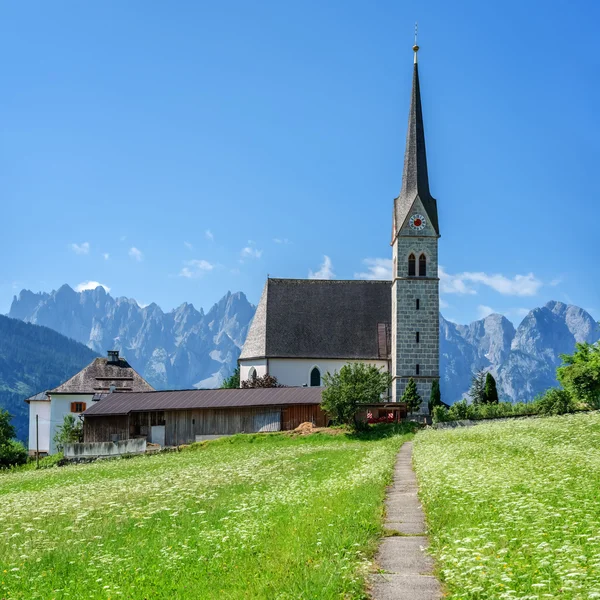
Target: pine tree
{"points": [[490, 393], [411, 397], [477, 391], [435, 398]]}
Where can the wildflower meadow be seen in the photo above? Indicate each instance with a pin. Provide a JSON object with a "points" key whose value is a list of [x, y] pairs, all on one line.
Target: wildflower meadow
{"points": [[256, 516], [514, 507]]}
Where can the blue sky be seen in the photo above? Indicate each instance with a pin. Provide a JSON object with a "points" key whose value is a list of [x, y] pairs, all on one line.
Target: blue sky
{"points": [[174, 151]]}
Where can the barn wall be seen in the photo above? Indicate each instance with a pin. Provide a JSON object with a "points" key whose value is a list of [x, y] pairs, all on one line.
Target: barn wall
{"points": [[101, 429], [295, 414], [182, 426]]}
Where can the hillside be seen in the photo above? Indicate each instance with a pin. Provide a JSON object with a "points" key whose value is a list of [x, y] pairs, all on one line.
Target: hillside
{"points": [[252, 516], [513, 507], [33, 359]]}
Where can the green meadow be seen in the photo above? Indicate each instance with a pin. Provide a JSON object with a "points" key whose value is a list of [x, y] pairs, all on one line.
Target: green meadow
{"points": [[514, 507], [252, 516]]}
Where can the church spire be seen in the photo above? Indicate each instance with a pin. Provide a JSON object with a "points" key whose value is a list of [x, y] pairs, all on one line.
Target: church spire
{"points": [[415, 181]]}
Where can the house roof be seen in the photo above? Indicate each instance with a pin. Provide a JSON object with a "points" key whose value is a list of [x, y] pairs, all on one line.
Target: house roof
{"points": [[312, 318], [100, 375], [415, 180], [39, 397], [124, 403]]}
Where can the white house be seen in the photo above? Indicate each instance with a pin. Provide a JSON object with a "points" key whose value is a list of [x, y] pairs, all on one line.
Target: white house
{"points": [[102, 376]]}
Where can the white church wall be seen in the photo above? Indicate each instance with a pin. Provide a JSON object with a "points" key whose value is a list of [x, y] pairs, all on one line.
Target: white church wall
{"points": [[260, 364], [296, 371]]}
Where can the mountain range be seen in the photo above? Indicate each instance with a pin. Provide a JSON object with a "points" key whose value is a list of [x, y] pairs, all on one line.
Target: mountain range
{"points": [[187, 347]]}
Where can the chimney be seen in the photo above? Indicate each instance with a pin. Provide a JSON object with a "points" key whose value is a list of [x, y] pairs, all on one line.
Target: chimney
{"points": [[113, 357]]}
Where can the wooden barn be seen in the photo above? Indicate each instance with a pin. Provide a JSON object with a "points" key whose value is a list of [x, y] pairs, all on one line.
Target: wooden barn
{"points": [[171, 418]]}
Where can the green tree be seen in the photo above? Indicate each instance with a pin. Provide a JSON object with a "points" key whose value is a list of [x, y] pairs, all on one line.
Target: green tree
{"points": [[477, 390], [70, 432], [7, 431], [233, 381], [411, 396], [353, 385], [435, 397], [579, 374], [11, 451], [490, 392]]}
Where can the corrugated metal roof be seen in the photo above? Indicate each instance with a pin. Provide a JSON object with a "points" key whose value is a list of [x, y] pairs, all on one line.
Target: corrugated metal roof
{"points": [[123, 403]]}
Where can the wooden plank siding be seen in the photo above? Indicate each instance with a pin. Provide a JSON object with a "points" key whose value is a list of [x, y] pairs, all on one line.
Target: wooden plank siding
{"points": [[182, 426], [102, 429]]}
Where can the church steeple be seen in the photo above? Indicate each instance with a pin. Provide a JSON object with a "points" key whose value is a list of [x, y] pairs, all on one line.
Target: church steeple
{"points": [[415, 181]]}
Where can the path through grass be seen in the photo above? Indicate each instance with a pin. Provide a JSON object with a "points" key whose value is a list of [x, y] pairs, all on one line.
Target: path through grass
{"points": [[514, 507], [264, 516]]}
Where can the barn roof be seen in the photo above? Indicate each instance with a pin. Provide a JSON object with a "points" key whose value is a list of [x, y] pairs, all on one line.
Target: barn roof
{"points": [[313, 318], [124, 403], [101, 374]]}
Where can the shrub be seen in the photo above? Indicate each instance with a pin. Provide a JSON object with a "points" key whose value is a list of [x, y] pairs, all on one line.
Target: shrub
{"points": [[12, 453], [233, 381], [71, 431], [461, 410], [555, 402], [266, 381], [440, 414], [354, 384]]}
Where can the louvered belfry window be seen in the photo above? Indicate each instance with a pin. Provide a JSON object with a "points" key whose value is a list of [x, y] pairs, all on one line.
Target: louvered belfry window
{"points": [[412, 266], [422, 266]]}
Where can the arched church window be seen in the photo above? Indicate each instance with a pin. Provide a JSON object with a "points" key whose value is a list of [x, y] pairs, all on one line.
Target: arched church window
{"points": [[315, 377], [422, 265], [252, 374], [412, 266]]}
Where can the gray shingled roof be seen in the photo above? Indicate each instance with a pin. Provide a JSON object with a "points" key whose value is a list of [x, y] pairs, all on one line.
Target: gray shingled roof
{"points": [[415, 181], [100, 374], [39, 397], [311, 318], [124, 403]]}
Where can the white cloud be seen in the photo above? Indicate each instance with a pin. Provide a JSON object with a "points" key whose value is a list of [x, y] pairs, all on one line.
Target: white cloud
{"points": [[81, 248], [484, 311], [106, 256], [91, 285], [251, 252], [519, 285], [325, 270], [136, 254], [281, 240], [208, 234], [188, 245], [377, 268], [443, 303], [556, 281], [195, 268]]}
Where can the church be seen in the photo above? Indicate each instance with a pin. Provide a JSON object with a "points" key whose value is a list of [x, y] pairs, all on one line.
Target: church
{"points": [[304, 328]]}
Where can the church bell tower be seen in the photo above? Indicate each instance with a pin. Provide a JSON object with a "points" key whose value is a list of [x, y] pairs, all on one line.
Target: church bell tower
{"points": [[415, 285]]}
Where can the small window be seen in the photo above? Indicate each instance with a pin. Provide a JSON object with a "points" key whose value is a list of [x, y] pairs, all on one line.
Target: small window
{"points": [[77, 407], [418, 304], [417, 337], [422, 266], [412, 266], [315, 377], [252, 374], [418, 369]]}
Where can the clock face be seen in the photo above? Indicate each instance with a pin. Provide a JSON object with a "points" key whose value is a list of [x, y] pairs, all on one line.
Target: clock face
{"points": [[417, 222]]}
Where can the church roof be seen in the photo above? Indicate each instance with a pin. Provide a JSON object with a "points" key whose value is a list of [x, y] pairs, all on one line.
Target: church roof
{"points": [[415, 181], [312, 318], [101, 374]]}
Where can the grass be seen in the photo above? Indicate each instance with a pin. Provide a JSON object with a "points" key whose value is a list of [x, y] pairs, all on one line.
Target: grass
{"points": [[514, 507], [255, 516]]}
